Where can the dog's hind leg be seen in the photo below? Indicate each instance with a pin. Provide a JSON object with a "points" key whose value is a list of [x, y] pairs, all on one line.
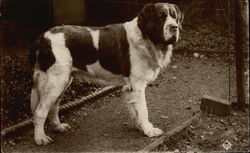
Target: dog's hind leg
{"points": [[52, 87], [53, 114], [39, 79], [34, 99]]}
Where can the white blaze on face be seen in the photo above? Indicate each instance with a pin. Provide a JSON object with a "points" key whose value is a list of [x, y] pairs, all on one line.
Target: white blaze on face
{"points": [[170, 21]]}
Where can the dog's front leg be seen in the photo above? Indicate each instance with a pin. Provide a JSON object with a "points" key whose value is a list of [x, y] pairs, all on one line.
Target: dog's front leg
{"points": [[135, 98]]}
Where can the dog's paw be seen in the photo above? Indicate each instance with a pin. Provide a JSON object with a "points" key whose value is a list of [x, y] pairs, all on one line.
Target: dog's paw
{"points": [[42, 139], [153, 132], [63, 127]]}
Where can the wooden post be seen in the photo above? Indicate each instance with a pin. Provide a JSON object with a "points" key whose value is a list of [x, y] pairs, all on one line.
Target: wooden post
{"points": [[239, 53]]}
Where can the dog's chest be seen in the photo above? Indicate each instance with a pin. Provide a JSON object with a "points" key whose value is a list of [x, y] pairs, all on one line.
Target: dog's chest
{"points": [[148, 66]]}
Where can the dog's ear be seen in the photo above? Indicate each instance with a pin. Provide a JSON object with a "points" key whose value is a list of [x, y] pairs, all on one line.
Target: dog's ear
{"points": [[146, 18], [180, 15]]}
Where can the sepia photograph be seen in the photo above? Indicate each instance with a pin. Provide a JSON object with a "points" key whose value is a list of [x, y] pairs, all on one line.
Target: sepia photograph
{"points": [[124, 76]]}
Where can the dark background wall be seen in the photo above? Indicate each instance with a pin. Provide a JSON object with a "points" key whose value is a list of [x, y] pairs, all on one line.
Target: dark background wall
{"points": [[24, 20]]}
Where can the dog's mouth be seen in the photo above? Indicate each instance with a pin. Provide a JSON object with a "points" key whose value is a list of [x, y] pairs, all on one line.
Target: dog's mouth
{"points": [[171, 40]]}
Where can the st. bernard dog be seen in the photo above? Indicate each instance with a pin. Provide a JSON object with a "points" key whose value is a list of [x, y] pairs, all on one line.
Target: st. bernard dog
{"points": [[129, 55]]}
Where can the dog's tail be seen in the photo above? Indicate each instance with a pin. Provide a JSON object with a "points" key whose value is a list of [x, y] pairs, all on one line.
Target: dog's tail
{"points": [[34, 97], [32, 55]]}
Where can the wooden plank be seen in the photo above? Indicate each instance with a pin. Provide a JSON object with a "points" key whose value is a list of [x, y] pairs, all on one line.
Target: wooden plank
{"points": [[215, 105], [177, 129]]}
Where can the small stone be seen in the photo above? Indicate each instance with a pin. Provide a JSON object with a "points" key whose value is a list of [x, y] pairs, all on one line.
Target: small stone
{"points": [[105, 134], [235, 139], [223, 122], [192, 127], [125, 124], [196, 55], [234, 123], [174, 67], [164, 117], [12, 143], [234, 113], [73, 92], [188, 147]]}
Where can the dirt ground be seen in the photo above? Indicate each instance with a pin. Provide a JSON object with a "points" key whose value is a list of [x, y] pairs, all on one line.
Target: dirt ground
{"points": [[104, 125], [209, 133]]}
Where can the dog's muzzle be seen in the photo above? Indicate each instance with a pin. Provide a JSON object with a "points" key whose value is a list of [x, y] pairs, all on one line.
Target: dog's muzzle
{"points": [[172, 32]]}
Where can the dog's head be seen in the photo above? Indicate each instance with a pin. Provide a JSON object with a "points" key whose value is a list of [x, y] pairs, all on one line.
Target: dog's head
{"points": [[161, 22]]}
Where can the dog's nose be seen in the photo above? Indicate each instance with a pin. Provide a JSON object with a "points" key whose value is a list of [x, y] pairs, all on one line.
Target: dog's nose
{"points": [[173, 28]]}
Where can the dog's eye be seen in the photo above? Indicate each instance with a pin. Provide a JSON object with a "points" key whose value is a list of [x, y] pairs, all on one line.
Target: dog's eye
{"points": [[163, 15], [172, 13]]}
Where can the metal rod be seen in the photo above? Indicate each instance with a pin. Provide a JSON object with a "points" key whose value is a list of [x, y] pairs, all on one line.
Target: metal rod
{"points": [[239, 54], [228, 48]]}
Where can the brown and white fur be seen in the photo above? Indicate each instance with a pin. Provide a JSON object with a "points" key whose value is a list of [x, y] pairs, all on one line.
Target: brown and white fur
{"points": [[129, 55]]}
